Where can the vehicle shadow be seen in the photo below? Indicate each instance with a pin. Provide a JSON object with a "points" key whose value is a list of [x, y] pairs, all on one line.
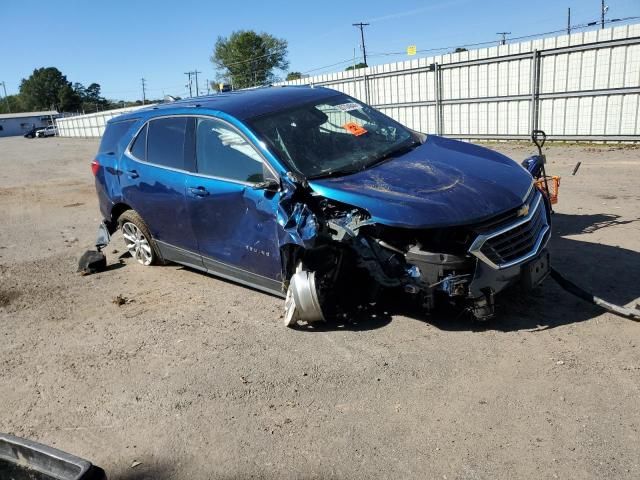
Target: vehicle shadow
{"points": [[144, 472], [607, 271], [369, 318]]}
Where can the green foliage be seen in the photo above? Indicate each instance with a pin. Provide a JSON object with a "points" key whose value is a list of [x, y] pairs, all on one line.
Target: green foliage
{"points": [[460, 49], [11, 104], [248, 59], [91, 100], [47, 88], [294, 76], [356, 66]]}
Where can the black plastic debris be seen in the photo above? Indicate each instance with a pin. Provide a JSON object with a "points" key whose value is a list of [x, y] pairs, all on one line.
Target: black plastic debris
{"points": [[92, 261]]}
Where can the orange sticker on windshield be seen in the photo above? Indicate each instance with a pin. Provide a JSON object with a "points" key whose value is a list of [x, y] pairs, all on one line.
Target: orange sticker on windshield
{"points": [[354, 129]]}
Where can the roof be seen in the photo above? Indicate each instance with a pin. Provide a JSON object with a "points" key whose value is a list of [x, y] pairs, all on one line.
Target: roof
{"points": [[244, 104], [6, 116]]}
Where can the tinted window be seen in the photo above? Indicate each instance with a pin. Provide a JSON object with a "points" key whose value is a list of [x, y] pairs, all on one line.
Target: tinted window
{"points": [[112, 135], [222, 152], [139, 147], [165, 141]]}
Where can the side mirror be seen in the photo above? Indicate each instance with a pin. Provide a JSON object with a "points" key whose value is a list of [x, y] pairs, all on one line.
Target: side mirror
{"points": [[269, 184]]}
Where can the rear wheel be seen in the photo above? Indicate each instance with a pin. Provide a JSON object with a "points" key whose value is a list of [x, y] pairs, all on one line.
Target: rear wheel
{"points": [[137, 238]]}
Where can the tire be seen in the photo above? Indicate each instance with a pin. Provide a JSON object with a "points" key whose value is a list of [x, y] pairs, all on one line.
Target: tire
{"points": [[138, 239]]}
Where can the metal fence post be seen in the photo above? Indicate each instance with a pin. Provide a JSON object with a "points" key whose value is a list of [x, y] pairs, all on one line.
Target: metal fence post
{"points": [[534, 108], [438, 95], [365, 79]]}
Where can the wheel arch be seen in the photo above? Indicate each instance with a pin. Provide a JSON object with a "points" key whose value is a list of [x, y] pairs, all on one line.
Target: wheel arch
{"points": [[116, 211]]}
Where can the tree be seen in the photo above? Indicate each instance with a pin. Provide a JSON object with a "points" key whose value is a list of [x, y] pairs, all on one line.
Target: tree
{"points": [[68, 99], [48, 88], [294, 76], [92, 100], [460, 49], [356, 66], [248, 59], [92, 94], [11, 104]]}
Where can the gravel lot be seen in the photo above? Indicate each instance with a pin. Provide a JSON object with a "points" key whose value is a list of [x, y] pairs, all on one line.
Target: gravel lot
{"points": [[196, 377]]}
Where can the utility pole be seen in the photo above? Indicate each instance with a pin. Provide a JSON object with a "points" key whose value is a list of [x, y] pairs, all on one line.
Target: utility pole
{"points": [[189, 84], [603, 10], [504, 37], [196, 72], [144, 91], [569, 21], [6, 99], [364, 49]]}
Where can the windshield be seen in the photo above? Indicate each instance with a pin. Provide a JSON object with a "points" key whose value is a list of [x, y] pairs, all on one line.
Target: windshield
{"points": [[334, 136]]}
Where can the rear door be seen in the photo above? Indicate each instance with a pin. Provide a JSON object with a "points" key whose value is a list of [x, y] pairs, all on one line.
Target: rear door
{"points": [[153, 184], [234, 222]]}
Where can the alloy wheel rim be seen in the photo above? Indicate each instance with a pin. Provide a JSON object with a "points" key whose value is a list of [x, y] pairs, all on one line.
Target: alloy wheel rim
{"points": [[136, 243]]}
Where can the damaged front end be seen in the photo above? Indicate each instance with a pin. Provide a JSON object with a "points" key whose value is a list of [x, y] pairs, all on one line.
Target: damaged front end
{"points": [[346, 259]]}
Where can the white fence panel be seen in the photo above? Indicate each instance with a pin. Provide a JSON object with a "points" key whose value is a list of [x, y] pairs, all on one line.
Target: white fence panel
{"points": [[583, 86]]}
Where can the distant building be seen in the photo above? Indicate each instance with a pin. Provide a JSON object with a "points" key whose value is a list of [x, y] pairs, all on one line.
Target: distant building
{"points": [[12, 124]]}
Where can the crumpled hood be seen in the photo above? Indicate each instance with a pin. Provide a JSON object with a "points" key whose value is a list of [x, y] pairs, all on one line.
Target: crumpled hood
{"points": [[443, 182]]}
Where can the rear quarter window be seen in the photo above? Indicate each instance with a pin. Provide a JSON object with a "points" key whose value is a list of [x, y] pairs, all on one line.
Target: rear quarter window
{"points": [[113, 134]]}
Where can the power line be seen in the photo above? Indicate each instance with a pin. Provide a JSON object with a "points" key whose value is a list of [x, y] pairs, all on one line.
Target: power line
{"points": [[491, 42], [349, 60], [364, 48], [476, 44]]}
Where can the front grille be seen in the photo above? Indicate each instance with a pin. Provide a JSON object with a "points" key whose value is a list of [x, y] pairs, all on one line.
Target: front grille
{"points": [[506, 218], [517, 241]]}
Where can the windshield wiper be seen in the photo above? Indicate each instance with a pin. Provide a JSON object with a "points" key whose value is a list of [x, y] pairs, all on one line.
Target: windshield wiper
{"points": [[336, 173], [392, 153]]}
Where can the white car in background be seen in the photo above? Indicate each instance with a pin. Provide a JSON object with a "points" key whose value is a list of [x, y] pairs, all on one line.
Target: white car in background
{"points": [[50, 131]]}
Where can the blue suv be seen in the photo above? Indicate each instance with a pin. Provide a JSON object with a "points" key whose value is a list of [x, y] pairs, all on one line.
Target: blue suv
{"points": [[312, 195]]}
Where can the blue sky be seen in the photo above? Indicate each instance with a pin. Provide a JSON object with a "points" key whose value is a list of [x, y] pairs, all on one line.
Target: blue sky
{"points": [[116, 42]]}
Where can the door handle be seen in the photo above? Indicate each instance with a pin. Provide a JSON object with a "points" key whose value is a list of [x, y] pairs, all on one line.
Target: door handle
{"points": [[198, 191], [132, 173]]}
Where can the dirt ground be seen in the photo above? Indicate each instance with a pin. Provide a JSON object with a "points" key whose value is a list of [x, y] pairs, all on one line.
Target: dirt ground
{"points": [[196, 378]]}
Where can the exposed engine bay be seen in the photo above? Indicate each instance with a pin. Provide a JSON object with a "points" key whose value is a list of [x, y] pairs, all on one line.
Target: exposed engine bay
{"points": [[350, 259]]}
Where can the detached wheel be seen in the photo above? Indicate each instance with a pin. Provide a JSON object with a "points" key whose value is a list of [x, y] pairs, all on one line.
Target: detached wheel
{"points": [[302, 302], [137, 238]]}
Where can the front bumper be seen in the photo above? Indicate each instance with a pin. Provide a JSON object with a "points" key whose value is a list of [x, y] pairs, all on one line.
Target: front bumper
{"points": [[487, 279]]}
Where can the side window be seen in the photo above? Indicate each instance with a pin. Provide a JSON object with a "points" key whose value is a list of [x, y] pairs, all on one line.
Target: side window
{"points": [[222, 152], [165, 141], [112, 135], [139, 147]]}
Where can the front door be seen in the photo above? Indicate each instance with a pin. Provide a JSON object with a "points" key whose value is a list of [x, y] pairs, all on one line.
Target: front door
{"points": [[234, 223]]}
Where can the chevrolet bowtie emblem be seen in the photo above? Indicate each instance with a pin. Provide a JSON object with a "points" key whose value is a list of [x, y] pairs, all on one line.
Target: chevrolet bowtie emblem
{"points": [[523, 211]]}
